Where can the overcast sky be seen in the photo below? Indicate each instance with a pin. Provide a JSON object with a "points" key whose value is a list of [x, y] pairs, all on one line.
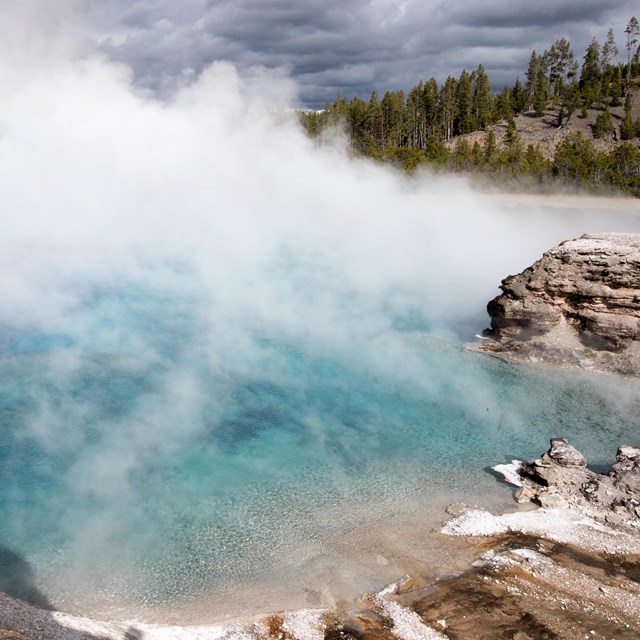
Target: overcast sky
{"points": [[346, 46]]}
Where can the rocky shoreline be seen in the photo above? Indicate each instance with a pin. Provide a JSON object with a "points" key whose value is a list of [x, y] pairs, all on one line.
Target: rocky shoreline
{"points": [[578, 305], [567, 569]]}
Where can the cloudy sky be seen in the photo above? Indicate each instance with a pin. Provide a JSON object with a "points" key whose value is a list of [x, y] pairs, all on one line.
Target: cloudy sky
{"points": [[346, 46]]}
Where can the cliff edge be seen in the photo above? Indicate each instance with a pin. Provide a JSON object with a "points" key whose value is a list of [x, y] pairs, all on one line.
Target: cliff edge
{"points": [[578, 305]]}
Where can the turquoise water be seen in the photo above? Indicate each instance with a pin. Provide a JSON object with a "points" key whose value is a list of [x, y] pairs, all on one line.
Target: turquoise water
{"points": [[142, 463], [232, 365]]}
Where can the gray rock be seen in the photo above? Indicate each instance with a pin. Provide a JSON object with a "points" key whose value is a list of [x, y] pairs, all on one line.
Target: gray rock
{"points": [[552, 500], [627, 453], [580, 303], [625, 473], [565, 454], [561, 478]]}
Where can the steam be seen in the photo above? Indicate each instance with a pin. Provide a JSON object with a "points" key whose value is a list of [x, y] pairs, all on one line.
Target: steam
{"points": [[177, 242]]}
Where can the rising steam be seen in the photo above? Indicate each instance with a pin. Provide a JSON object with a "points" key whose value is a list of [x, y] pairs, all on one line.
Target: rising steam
{"points": [[179, 241]]}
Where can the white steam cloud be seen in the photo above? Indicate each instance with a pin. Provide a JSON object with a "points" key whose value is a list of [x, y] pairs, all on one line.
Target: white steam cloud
{"points": [[218, 207]]}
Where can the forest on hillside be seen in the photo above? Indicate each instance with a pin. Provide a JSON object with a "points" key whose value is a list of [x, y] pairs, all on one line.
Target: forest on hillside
{"points": [[452, 126]]}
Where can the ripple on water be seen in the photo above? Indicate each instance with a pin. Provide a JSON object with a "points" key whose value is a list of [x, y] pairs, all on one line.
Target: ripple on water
{"points": [[156, 481]]}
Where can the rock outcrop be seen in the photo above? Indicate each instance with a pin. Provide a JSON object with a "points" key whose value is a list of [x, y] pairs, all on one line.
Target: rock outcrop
{"points": [[579, 305], [560, 478]]}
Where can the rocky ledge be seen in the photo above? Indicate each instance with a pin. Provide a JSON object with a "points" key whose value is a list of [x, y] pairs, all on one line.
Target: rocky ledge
{"points": [[579, 305], [560, 478]]}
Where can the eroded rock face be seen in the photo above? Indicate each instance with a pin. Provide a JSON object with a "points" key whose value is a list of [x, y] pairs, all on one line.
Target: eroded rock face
{"points": [[560, 478], [579, 304]]}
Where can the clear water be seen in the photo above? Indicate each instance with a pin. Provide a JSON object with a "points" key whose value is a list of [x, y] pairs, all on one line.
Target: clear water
{"points": [[147, 466]]}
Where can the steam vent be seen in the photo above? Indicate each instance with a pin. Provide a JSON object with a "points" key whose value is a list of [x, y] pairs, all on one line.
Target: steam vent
{"points": [[578, 305]]}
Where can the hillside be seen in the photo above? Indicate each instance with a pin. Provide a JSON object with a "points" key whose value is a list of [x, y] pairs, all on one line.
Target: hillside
{"points": [[565, 126], [544, 134]]}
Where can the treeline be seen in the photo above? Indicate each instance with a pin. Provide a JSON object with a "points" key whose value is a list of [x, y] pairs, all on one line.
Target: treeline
{"points": [[576, 162], [419, 128]]}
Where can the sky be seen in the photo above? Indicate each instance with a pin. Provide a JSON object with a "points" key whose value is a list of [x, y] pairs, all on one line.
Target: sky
{"points": [[351, 47]]}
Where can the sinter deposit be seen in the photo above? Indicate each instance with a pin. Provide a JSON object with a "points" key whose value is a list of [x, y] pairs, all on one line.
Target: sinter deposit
{"points": [[579, 304], [566, 570]]}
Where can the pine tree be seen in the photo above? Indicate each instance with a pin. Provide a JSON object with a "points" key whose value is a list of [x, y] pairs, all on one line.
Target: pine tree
{"points": [[535, 163], [415, 118], [462, 157], [447, 107], [464, 121], [577, 161], [430, 101], [503, 104], [610, 50], [632, 31], [375, 121], [394, 117], [518, 97], [616, 88], [591, 76], [477, 155], [311, 122], [623, 165], [562, 78], [514, 148], [533, 71], [608, 54], [483, 99], [490, 148], [627, 128], [358, 124], [604, 124], [436, 153], [540, 96], [338, 112]]}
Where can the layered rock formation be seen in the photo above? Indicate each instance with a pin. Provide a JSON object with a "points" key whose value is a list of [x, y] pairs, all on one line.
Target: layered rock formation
{"points": [[560, 478], [579, 304]]}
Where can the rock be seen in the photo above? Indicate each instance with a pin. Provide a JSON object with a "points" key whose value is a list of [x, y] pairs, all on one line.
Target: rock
{"points": [[525, 493], [564, 454], [562, 466], [614, 518], [561, 479], [551, 500], [625, 473], [579, 304]]}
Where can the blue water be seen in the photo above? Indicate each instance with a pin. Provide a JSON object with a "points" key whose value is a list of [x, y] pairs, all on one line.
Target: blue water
{"points": [[147, 459]]}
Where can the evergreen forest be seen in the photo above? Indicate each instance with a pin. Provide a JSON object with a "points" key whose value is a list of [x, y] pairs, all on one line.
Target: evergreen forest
{"points": [[566, 122]]}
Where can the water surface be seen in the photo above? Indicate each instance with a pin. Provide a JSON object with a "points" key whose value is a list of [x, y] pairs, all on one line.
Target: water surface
{"points": [[175, 447]]}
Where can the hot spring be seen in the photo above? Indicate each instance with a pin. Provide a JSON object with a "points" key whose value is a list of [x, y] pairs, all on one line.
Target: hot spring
{"points": [[163, 449], [232, 366]]}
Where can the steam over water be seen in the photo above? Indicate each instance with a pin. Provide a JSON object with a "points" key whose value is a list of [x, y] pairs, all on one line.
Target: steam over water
{"points": [[229, 359]]}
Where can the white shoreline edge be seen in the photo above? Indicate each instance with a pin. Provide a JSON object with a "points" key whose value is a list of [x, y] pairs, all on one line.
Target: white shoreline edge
{"points": [[561, 525]]}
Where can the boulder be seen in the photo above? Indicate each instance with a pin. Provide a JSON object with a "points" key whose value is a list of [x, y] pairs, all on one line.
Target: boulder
{"points": [[564, 454], [579, 304], [625, 473], [561, 478]]}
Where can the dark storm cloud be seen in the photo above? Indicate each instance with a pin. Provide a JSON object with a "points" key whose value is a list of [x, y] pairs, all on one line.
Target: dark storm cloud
{"points": [[499, 14], [347, 46]]}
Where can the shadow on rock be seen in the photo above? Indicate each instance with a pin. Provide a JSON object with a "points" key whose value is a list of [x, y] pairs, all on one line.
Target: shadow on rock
{"points": [[17, 579], [27, 614]]}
